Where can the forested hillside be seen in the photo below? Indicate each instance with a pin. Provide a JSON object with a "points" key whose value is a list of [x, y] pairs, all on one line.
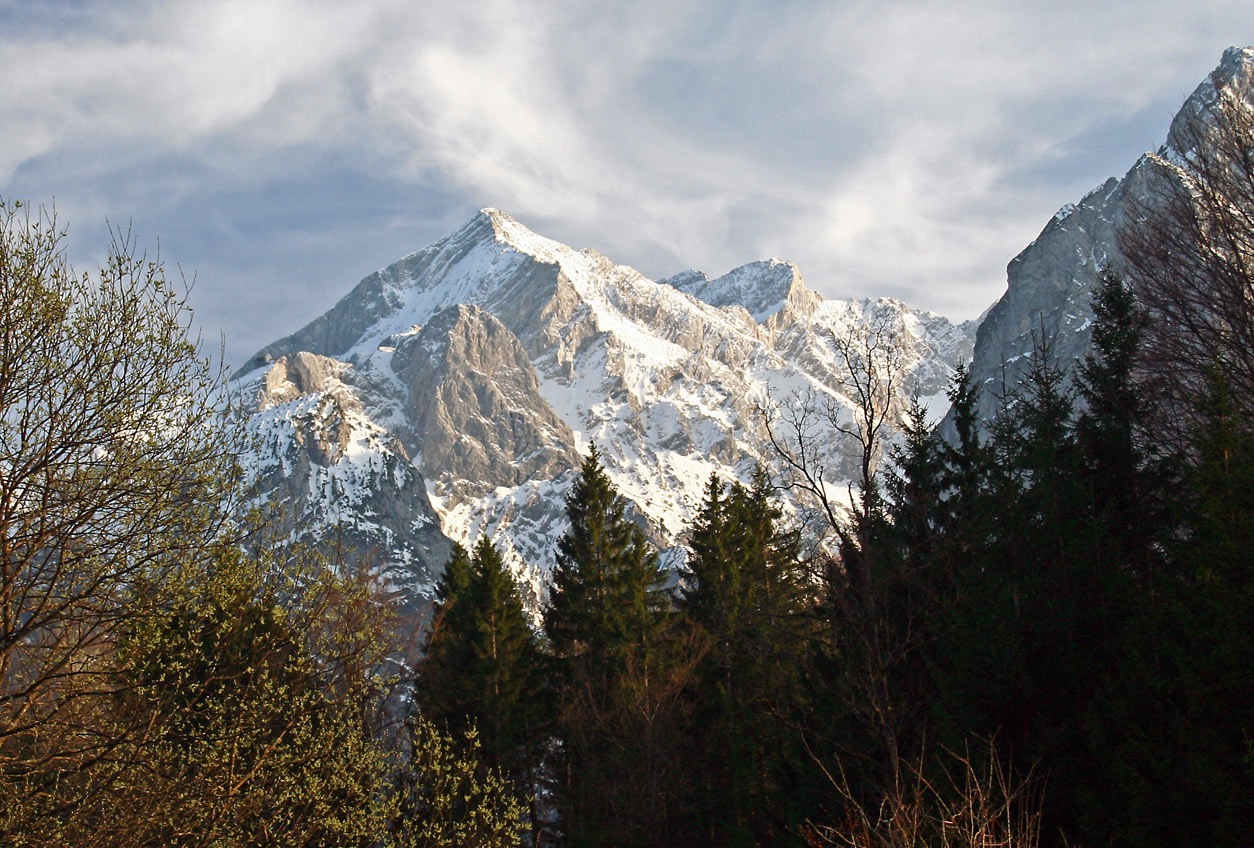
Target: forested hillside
{"points": [[1040, 636]]}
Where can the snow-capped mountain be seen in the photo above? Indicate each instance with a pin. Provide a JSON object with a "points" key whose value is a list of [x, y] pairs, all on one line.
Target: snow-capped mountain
{"points": [[1050, 283], [454, 392]]}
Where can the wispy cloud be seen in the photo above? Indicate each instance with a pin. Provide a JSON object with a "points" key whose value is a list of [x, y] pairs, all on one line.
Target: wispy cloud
{"points": [[905, 148]]}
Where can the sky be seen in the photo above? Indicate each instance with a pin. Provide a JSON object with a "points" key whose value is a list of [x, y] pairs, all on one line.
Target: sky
{"points": [[278, 152]]}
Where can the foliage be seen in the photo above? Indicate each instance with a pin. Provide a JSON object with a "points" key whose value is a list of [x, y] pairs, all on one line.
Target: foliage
{"points": [[482, 671], [116, 472], [615, 668], [1066, 582], [606, 607], [257, 686], [448, 798]]}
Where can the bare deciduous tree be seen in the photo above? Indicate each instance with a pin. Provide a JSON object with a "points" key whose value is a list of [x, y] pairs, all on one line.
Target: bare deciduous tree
{"points": [[800, 433], [802, 430], [1189, 254]]}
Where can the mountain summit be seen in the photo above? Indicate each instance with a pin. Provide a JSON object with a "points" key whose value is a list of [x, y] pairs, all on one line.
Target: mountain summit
{"points": [[452, 393]]}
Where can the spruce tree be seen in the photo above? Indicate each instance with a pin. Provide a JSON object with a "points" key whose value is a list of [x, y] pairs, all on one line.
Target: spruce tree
{"points": [[1171, 762], [444, 687], [1128, 515], [967, 475], [453, 580], [482, 666], [915, 492], [1036, 632], [617, 695], [606, 603], [748, 590], [918, 565], [747, 599], [507, 661]]}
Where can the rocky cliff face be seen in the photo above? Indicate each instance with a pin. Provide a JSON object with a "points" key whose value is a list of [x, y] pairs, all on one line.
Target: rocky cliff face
{"points": [[339, 477], [454, 392], [473, 404], [1050, 283]]}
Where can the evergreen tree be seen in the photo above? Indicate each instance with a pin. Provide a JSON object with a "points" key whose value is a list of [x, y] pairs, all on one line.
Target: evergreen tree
{"points": [[1129, 516], [1037, 631], [482, 666], [453, 580], [917, 484], [444, 685], [606, 603], [923, 497], [884, 625], [967, 473], [1096, 603], [1169, 733], [620, 680], [507, 662], [710, 556], [1221, 532], [1216, 626], [747, 598], [920, 560]]}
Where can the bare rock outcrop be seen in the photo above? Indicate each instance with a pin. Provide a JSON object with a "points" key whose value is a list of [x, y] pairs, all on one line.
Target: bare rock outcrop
{"points": [[476, 415]]}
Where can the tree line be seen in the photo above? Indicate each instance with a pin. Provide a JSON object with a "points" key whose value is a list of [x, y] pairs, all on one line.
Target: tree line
{"points": [[1035, 630]]}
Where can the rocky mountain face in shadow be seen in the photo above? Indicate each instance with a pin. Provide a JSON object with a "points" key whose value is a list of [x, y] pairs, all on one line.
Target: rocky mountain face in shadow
{"points": [[1051, 282]]}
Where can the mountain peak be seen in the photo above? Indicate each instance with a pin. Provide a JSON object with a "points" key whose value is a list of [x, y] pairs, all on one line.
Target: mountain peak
{"points": [[488, 360], [1234, 60], [762, 287], [486, 226], [493, 220], [1233, 77], [485, 229], [1050, 283], [505, 229]]}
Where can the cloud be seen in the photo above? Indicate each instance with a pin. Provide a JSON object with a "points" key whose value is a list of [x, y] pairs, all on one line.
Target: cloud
{"points": [[172, 76], [882, 141], [904, 148]]}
